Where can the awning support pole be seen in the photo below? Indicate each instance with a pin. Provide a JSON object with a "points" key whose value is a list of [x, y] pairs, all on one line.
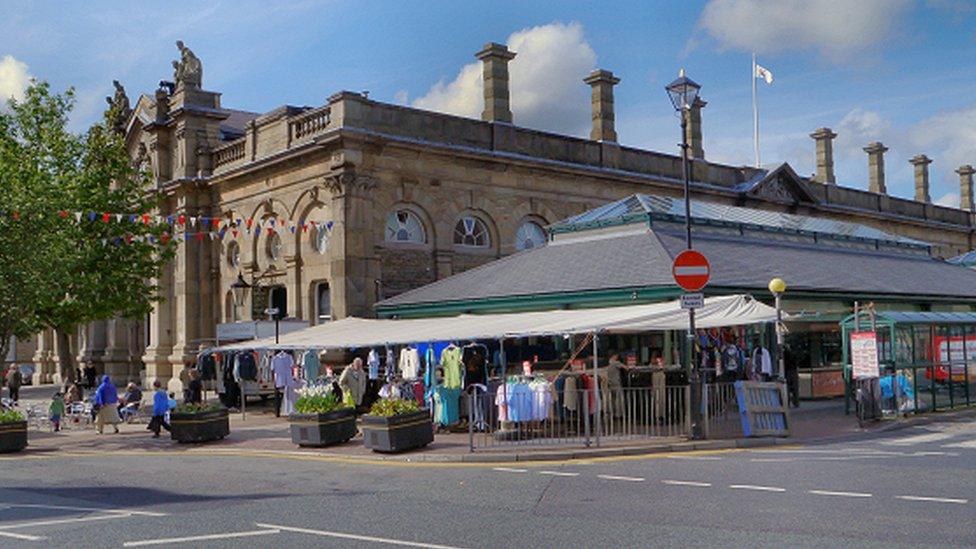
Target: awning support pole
{"points": [[596, 389]]}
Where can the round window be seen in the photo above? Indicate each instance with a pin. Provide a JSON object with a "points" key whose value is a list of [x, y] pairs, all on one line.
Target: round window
{"points": [[274, 247], [233, 254], [321, 239]]}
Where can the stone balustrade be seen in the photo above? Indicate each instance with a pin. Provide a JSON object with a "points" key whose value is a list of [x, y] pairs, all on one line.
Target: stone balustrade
{"points": [[229, 153], [309, 123]]}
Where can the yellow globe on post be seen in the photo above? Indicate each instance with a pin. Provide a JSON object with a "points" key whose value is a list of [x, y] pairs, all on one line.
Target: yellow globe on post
{"points": [[777, 286]]}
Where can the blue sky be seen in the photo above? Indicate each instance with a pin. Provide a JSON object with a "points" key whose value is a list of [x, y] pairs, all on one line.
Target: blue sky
{"points": [[899, 71]]}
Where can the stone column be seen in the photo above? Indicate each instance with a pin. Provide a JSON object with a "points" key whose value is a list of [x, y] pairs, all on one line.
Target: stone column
{"points": [[354, 265], [117, 360], [966, 187], [694, 129], [601, 104], [921, 163], [161, 330], [45, 361], [495, 58], [825, 155], [876, 169]]}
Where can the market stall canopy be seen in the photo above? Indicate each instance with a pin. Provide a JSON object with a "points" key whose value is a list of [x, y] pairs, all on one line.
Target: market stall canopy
{"points": [[351, 333]]}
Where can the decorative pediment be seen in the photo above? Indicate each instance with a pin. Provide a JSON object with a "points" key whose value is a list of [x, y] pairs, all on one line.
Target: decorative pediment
{"points": [[781, 185]]}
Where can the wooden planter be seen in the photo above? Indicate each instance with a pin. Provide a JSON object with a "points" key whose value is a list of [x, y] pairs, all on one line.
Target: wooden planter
{"points": [[202, 427], [13, 436], [323, 429], [398, 433]]}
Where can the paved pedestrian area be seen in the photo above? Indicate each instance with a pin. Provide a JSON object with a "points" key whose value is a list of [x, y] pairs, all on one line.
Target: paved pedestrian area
{"points": [[261, 432]]}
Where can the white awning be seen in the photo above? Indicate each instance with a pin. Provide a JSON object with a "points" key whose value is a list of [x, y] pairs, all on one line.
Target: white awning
{"points": [[351, 333]]}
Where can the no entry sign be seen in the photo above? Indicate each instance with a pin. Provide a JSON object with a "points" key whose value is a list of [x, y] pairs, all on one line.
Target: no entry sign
{"points": [[691, 270]]}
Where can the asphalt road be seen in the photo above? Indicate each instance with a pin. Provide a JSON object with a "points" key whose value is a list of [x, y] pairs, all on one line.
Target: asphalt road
{"points": [[907, 488]]}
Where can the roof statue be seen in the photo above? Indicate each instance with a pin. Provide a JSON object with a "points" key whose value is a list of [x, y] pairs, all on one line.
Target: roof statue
{"points": [[188, 71], [118, 109]]}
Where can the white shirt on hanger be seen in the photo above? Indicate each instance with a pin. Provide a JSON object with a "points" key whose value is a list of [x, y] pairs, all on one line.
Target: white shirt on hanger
{"points": [[281, 365]]}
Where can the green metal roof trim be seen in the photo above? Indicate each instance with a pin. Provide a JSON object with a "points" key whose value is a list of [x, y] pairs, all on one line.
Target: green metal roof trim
{"points": [[914, 317], [967, 259], [648, 208]]}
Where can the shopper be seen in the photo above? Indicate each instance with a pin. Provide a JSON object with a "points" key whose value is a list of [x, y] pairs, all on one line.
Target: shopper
{"points": [[194, 393], [55, 411], [90, 375], [14, 380], [615, 372], [353, 383], [107, 399], [160, 408], [185, 380]]}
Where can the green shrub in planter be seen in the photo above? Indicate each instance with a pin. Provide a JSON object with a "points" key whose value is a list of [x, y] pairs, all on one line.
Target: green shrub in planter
{"points": [[321, 419], [396, 425], [13, 431], [199, 423]]}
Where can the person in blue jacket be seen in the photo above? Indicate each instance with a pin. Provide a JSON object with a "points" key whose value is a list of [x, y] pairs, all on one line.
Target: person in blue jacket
{"points": [[160, 407], [107, 400]]}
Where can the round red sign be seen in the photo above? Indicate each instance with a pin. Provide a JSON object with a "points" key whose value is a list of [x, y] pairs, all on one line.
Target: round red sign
{"points": [[691, 270]]}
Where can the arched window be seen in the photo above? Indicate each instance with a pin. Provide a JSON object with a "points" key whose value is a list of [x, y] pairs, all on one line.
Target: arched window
{"points": [[471, 231], [405, 226], [529, 235], [233, 254], [274, 247]]}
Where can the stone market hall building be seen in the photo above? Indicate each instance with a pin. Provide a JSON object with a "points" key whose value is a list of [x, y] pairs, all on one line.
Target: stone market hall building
{"points": [[385, 198]]}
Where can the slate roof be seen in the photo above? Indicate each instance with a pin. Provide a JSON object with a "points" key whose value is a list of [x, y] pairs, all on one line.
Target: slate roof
{"points": [[665, 207], [625, 258]]}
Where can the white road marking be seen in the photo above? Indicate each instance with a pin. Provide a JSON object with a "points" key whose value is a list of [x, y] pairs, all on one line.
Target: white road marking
{"points": [[701, 458], [341, 535], [843, 494], [165, 541], [613, 477], [558, 474], [61, 521], [509, 470], [687, 483], [24, 537], [757, 488], [917, 439], [937, 500], [93, 509]]}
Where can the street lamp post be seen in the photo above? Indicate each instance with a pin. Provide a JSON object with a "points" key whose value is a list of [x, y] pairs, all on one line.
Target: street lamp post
{"points": [[273, 313], [240, 288], [683, 91], [777, 287]]}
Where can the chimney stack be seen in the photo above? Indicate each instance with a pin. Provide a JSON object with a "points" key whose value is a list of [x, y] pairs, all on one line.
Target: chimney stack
{"points": [[495, 58], [876, 171], [966, 187], [825, 155], [601, 103], [921, 163], [694, 128]]}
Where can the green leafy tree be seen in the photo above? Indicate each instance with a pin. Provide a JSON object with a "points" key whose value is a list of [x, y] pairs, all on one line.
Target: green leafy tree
{"points": [[59, 271]]}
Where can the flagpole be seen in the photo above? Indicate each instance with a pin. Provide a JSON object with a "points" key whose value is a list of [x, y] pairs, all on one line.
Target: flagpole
{"points": [[755, 111]]}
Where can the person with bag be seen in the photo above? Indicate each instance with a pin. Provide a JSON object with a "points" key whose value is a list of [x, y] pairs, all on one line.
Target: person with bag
{"points": [[14, 380]]}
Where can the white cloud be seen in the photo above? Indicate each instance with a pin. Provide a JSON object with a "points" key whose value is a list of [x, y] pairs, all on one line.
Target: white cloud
{"points": [[949, 138], [835, 28], [858, 128], [547, 90], [14, 78], [949, 199]]}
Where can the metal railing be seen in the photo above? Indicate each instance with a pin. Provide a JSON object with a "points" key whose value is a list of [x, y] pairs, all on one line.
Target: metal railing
{"points": [[524, 416], [721, 411]]}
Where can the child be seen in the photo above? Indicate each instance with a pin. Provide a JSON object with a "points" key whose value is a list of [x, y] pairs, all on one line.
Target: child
{"points": [[56, 410], [160, 409]]}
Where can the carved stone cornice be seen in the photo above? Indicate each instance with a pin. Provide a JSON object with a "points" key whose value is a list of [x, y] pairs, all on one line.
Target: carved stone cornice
{"points": [[348, 182]]}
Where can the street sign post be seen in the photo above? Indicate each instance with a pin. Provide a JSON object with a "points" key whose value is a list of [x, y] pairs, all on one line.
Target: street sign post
{"points": [[692, 301], [691, 270]]}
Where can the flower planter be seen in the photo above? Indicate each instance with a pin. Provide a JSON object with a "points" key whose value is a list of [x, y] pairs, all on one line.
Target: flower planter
{"points": [[323, 429], [200, 427], [13, 436], [398, 433]]}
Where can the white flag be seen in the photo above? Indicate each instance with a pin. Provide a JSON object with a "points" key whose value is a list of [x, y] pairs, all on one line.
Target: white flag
{"points": [[764, 73]]}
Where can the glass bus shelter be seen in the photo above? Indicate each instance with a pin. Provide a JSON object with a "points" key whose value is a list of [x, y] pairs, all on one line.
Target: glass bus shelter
{"points": [[927, 359]]}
